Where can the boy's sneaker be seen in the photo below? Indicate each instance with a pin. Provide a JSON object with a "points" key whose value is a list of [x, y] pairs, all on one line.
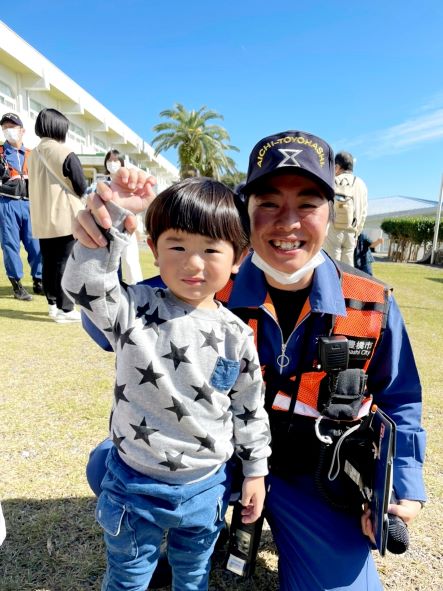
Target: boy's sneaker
{"points": [[52, 310], [67, 317]]}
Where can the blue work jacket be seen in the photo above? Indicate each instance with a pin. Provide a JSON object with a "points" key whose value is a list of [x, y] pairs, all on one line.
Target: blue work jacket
{"points": [[393, 379]]}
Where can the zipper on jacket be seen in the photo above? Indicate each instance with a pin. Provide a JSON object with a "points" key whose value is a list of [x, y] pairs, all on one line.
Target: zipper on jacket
{"points": [[282, 359]]}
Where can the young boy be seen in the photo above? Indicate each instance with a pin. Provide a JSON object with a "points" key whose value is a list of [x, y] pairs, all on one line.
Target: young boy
{"points": [[188, 388]]}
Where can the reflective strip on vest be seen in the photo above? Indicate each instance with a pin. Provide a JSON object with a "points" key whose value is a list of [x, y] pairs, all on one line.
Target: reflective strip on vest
{"points": [[366, 307]]}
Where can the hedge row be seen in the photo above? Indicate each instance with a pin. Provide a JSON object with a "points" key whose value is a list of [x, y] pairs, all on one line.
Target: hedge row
{"points": [[408, 234]]}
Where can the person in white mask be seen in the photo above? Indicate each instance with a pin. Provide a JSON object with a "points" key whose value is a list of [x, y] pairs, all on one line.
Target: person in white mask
{"points": [[300, 304], [15, 219], [130, 259]]}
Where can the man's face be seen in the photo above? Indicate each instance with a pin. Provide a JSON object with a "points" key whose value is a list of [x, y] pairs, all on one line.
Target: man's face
{"points": [[289, 218], [13, 133]]}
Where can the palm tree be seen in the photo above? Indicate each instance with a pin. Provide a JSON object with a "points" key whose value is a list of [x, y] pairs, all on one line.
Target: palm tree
{"points": [[201, 148]]}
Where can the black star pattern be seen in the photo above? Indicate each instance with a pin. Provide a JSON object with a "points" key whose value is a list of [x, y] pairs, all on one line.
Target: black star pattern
{"points": [[153, 320], [108, 295], [82, 298], [117, 331], [179, 408], [72, 255], [109, 237], [177, 355], [232, 393], [224, 417], [143, 432], [117, 441], [203, 393], [248, 415], [211, 340], [141, 310], [245, 453], [173, 463], [149, 375], [125, 338], [160, 293], [119, 393], [249, 367], [206, 442]]}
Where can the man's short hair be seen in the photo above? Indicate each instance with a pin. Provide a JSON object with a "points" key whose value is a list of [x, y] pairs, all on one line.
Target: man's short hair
{"points": [[345, 160]]}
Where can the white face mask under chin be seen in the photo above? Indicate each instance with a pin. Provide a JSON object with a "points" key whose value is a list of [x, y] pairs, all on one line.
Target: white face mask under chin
{"points": [[288, 278]]}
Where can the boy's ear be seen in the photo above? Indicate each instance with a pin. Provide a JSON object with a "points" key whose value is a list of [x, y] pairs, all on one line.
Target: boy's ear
{"points": [[154, 250], [238, 262]]}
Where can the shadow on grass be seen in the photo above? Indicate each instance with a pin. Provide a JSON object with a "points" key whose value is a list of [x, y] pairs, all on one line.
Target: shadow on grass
{"points": [[436, 279], [55, 545], [26, 315], [51, 545]]}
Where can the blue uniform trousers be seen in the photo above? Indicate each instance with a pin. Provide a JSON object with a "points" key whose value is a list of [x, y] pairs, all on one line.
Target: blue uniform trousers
{"points": [[15, 227], [319, 548], [134, 510]]}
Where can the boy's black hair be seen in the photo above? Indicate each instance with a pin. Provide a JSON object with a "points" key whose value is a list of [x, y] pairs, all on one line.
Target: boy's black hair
{"points": [[200, 206], [114, 153], [53, 124]]}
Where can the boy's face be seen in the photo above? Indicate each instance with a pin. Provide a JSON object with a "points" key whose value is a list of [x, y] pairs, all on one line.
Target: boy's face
{"points": [[289, 219], [194, 267]]}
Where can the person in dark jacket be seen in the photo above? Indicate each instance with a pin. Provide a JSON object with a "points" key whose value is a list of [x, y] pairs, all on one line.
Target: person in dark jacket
{"points": [[363, 258], [15, 220], [296, 295]]}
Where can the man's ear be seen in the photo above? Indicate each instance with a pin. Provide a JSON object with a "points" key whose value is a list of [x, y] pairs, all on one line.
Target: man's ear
{"points": [[154, 250], [238, 262]]}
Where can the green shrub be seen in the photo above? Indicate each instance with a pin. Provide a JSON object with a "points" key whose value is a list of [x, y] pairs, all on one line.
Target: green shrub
{"points": [[408, 234]]}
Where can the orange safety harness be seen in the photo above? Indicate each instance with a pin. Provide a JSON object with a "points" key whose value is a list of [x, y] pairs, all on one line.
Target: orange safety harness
{"points": [[296, 403]]}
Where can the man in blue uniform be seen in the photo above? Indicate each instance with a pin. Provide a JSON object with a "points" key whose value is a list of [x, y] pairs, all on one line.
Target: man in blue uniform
{"points": [[15, 220], [296, 295]]}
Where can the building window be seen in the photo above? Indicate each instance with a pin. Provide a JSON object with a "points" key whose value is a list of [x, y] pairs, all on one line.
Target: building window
{"points": [[76, 134], [35, 108], [99, 145], [7, 97]]}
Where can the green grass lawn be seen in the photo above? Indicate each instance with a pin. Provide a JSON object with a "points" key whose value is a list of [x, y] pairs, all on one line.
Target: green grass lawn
{"points": [[56, 391]]}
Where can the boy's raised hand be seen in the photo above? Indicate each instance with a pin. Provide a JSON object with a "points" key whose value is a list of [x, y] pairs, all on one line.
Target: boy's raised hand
{"points": [[131, 189]]}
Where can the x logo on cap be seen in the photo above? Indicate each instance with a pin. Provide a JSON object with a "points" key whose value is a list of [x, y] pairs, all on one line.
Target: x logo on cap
{"points": [[290, 156]]}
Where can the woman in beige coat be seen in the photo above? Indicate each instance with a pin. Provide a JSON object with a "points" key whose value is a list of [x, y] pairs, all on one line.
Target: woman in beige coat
{"points": [[56, 184]]}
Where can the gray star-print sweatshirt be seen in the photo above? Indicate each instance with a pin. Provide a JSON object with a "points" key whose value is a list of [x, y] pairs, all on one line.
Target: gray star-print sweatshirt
{"points": [[188, 390]]}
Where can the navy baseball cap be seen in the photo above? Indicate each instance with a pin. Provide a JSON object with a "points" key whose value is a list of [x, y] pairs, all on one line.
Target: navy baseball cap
{"points": [[294, 152], [12, 118]]}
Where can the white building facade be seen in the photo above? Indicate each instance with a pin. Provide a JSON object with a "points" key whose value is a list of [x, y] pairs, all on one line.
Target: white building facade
{"points": [[29, 83]]}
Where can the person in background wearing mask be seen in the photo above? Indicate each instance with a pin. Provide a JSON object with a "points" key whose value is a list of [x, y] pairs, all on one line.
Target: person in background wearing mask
{"points": [[130, 261], [15, 220]]}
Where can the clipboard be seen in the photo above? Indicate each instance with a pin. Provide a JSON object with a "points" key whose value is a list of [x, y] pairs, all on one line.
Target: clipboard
{"points": [[384, 442]]}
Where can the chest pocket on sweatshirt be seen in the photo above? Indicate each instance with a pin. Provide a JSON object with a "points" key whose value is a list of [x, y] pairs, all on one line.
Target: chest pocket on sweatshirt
{"points": [[225, 373]]}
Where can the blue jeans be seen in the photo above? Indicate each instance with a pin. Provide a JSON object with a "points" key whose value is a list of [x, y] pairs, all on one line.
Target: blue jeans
{"points": [[134, 511], [15, 226]]}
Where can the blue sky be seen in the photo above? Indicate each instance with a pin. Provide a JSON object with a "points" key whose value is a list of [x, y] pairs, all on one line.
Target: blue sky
{"points": [[366, 76]]}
